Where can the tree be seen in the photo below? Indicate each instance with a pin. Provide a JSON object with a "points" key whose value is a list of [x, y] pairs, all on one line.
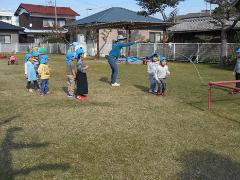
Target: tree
{"points": [[158, 6], [227, 15]]}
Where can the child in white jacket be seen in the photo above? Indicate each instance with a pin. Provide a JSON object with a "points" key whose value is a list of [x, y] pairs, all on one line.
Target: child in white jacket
{"points": [[160, 76], [152, 66]]}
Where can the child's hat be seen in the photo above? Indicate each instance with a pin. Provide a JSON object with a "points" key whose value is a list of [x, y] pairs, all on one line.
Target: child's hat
{"points": [[69, 56], [27, 56], [44, 59], [238, 50], [42, 50], [79, 51], [35, 54], [162, 58]]}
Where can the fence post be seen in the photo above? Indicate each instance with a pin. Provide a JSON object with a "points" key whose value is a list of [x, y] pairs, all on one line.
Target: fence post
{"points": [[198, 50], [174, 51], [0, 47], [155, 48], [227, 49], [16, 47], [137, 50]]}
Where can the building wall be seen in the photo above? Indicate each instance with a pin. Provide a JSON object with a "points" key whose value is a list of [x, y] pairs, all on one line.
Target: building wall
{"points": [[14, 35], [106, 45], [24, 20], [106, 38], [8, 17]]}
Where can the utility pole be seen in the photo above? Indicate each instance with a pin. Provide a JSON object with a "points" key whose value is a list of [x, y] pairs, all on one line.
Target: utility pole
{"points": [[56, 15]]}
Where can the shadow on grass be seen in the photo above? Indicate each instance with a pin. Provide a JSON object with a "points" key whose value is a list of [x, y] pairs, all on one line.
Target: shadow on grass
{"points": [[105, 80], [8, 120], [142, 88], [208, 166], [6, 159], [65, 89], [199, 106], [218, 66]]}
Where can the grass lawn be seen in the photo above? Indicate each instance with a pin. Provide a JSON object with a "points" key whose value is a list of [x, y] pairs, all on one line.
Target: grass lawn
{"points": [[119, 133]]}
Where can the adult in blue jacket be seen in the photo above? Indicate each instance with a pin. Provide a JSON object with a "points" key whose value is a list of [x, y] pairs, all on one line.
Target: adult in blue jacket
{"points": [[114, 55]]}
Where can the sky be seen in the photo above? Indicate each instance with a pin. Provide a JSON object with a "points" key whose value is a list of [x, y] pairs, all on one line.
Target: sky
{"points": [[83, 6]]}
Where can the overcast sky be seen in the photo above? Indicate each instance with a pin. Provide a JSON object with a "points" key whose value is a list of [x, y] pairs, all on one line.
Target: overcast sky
{"points": [[81, 6]]}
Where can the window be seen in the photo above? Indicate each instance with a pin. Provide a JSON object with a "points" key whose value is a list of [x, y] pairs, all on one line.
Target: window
{"points": [[155, 37], [6, 39], [61, 23], [48, 22]]}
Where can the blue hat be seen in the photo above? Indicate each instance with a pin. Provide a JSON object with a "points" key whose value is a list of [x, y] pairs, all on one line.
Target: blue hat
{"points": [[69, 56], [35, 54], [238, 50], [79, 51], [27, 56], [44, 59], [162, 58]]}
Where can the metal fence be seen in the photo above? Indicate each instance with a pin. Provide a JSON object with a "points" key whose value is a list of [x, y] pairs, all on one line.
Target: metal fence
{"points": [[199, 52], [53, 48]]}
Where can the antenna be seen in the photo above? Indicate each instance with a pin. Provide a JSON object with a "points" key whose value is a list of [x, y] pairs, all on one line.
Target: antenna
{"points": [[49, 2]]}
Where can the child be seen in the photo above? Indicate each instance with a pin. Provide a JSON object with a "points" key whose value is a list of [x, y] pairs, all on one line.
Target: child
{"points": [[26, 58], [237, 68], [160, 76], [31, 75], [71, 73], [44, 75], [82, 84], [36, 66], [152, 66]]}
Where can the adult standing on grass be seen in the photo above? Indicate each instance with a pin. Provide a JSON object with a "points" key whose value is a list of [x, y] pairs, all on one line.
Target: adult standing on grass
{"points": [[114, 55]]}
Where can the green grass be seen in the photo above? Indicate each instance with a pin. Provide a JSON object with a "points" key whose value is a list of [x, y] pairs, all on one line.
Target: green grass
{"points": [[119, 133]]}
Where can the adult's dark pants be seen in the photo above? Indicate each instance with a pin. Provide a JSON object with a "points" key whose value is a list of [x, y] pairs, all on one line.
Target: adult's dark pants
{"points": [[238, 78], [113, 64]]}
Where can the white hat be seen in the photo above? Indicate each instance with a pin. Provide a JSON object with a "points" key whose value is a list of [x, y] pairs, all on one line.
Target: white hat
{"points": [[121, 37]]}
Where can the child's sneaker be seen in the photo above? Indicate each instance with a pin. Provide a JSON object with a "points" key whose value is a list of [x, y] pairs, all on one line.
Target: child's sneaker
{"points": [[70, 96], [150, 91], [81, 98], [115, 85], [159, 94], [30, 90]]}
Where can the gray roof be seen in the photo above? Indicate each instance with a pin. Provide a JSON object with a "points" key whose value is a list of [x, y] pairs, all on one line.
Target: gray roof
{"points": [[7, 26], [198, 25], [193, 15], [116, 14]]}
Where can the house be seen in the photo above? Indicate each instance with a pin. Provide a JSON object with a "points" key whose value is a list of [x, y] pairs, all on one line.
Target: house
{"points": [[99, 30], [9, 33], [200, 28], [8, 17], [9, 37], [40, 21]]}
